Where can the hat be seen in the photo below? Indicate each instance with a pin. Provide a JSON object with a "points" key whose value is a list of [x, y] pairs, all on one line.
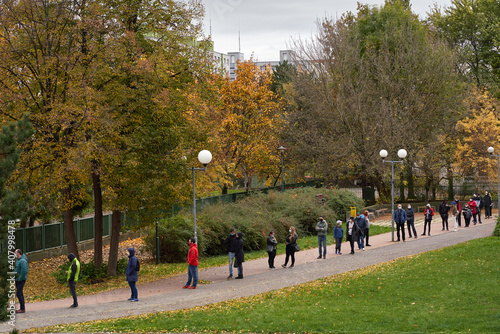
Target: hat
{"points": [[339, 221], [428, 205]]}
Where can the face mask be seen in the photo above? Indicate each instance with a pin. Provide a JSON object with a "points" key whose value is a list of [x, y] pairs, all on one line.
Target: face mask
{"points": [[409, 207], [232, 233], [290, 231]]}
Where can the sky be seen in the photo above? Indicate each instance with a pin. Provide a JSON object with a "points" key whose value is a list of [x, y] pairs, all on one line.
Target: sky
{"points": [[267, 26]]}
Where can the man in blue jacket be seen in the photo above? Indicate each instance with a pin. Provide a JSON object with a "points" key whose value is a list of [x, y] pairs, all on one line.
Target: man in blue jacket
{"points": [[21, 277], [361, 222], [400, 219]]}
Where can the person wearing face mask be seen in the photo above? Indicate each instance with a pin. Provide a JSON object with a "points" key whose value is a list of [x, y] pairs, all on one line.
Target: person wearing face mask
{"points": [[410, 221], [321, 228], [271, 249], [367, 229], [400, 219], [361, 223], [231, 243], [291, 243], [352, 232]]}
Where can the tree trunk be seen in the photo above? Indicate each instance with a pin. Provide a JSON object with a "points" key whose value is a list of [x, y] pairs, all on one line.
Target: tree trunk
{"points": [[401, 186], [96, 182], [115, 241], [451, 193], [409, 181], [69, 229], [224, 189]]}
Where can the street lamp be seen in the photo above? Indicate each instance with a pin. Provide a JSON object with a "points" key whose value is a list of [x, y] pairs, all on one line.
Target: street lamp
{"points": [[402, 154], [282, 150], [204, 157], [490, 151]]}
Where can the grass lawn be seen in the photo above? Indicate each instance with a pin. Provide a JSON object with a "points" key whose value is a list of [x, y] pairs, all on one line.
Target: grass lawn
{"points": [[47, 288], [455, 289]]}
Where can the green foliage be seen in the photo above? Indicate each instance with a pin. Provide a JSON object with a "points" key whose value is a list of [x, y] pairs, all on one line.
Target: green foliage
{"points": [[174, 233], [496, 232], [88, 273], [255, 216]]}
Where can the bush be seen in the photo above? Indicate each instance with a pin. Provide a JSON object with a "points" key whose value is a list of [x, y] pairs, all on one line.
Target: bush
{"points": [[174, 233], [496, 231], [88, 273]]}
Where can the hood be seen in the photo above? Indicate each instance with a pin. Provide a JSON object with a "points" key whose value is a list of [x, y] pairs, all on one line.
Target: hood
{"points": [[71, 257], [24, 257], [239, 235], [131, 251]]}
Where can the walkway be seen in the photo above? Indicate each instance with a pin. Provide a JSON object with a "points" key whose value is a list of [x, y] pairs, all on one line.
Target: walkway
{"points": [[167, 295]]}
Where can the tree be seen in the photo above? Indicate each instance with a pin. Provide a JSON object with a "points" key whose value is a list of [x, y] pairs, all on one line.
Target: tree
{"points": [[248, 121], [471, 26], [371, 81]]}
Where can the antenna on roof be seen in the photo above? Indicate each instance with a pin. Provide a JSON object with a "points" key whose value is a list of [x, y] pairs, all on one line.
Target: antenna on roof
{"points": [[239, 38]]}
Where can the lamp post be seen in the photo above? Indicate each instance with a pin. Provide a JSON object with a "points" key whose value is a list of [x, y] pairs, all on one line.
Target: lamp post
{"points": [[204, 157], [402, 154], [282, 150], [490, 151]]}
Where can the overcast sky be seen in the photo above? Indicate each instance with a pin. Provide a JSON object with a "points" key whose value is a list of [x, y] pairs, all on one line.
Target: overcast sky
{"points": [[267, 26]]}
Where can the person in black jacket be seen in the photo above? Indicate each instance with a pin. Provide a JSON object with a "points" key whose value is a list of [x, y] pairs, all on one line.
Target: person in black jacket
{"points": [[488, 204], [410, 221], [443, 209], [230, 244], [352, 232], [239, 255], [291, 243], [271, 249]]}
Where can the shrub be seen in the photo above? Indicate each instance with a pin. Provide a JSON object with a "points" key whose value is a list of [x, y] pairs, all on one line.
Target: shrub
{"points": [[174, 233], [496, 231], [88, 273]]}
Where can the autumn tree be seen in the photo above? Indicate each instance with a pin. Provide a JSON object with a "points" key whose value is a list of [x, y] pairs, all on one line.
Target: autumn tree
{"points": [[248, 120], [374, 80]]}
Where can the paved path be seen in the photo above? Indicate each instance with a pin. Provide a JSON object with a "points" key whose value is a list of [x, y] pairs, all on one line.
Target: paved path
{"points": [[166, 295]]}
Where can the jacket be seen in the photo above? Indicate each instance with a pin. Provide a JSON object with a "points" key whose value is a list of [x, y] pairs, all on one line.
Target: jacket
{"points": [[410, 215], [444, 208], [338, 232], [22, 268], [74, 268], [361, 222], [321, 228], [271, 243], [429, 212], [131, 271], [193, 255], [230, 243], [239, 254], [399, 216], [473, 206], [290, 242], [354, 233], [467, 212], [487, 200]]}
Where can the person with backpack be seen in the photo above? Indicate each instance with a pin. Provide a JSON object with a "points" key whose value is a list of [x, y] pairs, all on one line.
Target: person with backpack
{"points": [[428, 213], [131, 272], [467, 212]]}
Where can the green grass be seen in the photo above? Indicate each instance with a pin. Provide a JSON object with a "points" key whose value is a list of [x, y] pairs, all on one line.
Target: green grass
{"points": [[455, 289]]}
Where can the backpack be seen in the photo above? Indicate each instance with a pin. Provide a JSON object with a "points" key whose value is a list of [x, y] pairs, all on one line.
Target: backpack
{"points": [[138, 265]]}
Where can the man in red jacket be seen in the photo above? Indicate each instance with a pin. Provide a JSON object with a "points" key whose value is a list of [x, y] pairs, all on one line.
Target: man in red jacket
{"points": [[192, 265]]}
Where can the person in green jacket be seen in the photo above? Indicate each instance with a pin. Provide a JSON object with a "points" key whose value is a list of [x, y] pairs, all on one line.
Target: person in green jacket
{"points": [[73, 272], [21, 277]]}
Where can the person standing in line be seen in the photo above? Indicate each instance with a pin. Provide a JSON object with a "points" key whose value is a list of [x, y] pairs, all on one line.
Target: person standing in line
{"points": [[459, 208], [467, 212], [443, 209], [21, 277], [428, 213], [73, 273], [132, 274], [367, 229], [192, 258], [410, 221], [271, 249], [338, 235], [230, 244], [479, 206], [488, 204], [400, 219], [473, 207], [361, 223], [239, 255], [454, 213], [352, 232], [322, 228], [291, 243]]}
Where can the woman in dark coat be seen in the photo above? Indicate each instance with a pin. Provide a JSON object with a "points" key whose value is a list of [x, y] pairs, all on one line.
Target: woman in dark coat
{"points": [[352, 232], [271, 249], [131, 274], [291, 243], [239, 255]]}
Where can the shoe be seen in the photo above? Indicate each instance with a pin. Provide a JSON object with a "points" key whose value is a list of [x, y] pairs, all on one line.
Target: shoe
{"points": [[399, 240], [455, 230], [423, 234], [20, 311], [324, 257], [230, 276], [351, 253], [273, 267], [410, 237], [135, 300], [404, 240], [319, 257], [368, 245], [429, 234], [73, 306], [335, 251], [480, 222], [364, 249], [185, 287], [447, 230], [237, 277], [283, 266], [340, 253], [442, 229], [288, 267], [193, 287]]}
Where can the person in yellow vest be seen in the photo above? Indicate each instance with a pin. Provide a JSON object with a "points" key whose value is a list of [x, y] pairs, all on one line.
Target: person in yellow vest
{"points": [[73, 272]]}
